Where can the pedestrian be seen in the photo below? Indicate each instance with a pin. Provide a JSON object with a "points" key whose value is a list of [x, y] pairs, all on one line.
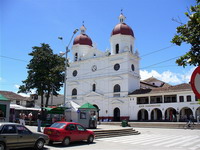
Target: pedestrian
{"points": [[22, 118], [13, 117], [197, 119], [94, 121], [63, 118], [53, 119], [191, 117], [173, 117], [39, 121], [1, 115], [30, 117]]}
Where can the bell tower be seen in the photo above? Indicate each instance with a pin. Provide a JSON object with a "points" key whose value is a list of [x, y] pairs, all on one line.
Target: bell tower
{"points": [[82, 44], [122, 37]]}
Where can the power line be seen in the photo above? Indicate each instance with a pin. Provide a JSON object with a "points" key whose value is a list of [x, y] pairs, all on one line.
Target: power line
{"points": [[85, 74], [161, 62], [157, 50], [140, 56], [13, 58], [164, 66], [112, 65]]}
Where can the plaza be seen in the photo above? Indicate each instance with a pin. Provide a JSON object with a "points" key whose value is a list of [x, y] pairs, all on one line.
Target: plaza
{"points": [[149, 139]]}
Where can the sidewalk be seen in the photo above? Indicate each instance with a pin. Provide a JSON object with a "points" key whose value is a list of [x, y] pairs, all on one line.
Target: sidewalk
{"points": [[168, 125], [117, 125], [99, 127]]}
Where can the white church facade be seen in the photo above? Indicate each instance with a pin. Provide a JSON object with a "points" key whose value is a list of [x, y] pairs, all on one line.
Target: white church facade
{"points": [[111, 82]]}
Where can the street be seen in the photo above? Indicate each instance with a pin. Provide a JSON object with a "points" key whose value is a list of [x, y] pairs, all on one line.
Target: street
{"points": [[149, 139]]}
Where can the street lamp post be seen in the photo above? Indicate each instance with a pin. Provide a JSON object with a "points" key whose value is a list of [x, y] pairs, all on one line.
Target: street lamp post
{"points": [[66, 62]]}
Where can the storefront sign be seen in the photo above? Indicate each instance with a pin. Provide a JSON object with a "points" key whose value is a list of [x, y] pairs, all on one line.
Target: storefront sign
{"points": [[149, 105]]}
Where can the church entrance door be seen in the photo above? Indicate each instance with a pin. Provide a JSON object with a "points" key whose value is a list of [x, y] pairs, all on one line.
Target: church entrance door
{"points": [[116, 114]]}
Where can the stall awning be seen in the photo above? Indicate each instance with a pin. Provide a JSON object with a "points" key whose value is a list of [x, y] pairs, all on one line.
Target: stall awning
{"points": [[87, 106], [2, 98], [57, 110], [18, 107]]}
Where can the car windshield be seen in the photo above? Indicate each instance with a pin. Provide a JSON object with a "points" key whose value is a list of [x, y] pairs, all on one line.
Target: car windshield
{"points": [[58, 125]]}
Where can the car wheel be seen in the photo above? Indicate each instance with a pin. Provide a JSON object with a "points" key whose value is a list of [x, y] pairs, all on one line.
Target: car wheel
{"points": [[39, 144], [90, 139], [2, 146], [66, 141]]}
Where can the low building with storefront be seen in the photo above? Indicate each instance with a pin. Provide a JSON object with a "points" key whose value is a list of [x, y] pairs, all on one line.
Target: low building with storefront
{"points": [[4, 109], [168, 103], [18, 99]]}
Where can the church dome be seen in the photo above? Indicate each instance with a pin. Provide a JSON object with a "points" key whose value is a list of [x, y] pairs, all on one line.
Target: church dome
{"points": [[83, 39], [122, 28]]}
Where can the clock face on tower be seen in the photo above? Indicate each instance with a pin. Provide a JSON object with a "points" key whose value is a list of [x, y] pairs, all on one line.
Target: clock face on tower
{"points": [[116, 67], [94, 68]]}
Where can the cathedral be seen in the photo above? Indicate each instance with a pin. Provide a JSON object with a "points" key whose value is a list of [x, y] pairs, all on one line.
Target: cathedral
{"points": [[111, 81]]}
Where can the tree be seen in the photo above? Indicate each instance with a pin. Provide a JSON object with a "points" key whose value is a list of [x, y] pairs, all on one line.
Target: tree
{"points": [[190, 33], [45, 73]]}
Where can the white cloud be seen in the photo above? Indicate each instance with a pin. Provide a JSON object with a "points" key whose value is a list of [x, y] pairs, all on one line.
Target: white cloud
{"points": [[2, 80], [168, 76], [17, 86], [24, 94]]}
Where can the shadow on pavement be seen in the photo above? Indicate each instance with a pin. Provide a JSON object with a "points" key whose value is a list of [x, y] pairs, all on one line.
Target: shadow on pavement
{"points": [[45, 148], [59, 145], [73, 144]]}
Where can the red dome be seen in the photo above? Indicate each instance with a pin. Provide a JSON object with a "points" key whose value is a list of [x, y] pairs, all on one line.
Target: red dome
{"points": [[83, 39], [123, 29]]}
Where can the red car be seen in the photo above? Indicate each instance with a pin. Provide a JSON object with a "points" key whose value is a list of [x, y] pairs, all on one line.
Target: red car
{"points": [[67, 132]]}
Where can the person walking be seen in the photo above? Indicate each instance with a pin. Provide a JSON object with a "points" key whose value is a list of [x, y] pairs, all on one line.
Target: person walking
{"points": [[22, 117], [30, 117], [63, 118], [197, 119], [39, 121], [191, 119], [1, 115]]}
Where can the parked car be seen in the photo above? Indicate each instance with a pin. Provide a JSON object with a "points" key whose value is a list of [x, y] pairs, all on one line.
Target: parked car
{"points": [[67, 132], [13, 135]]}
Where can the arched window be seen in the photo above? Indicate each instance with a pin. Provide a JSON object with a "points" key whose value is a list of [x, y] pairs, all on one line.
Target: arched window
{"points": [[117, 48], [74, 93], [76, 57], [116, 90], [94, 87], [131, 49]]}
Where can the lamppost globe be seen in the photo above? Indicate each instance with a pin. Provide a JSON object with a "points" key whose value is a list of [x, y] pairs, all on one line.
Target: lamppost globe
{"points": [[75, 31], [60, 38]]}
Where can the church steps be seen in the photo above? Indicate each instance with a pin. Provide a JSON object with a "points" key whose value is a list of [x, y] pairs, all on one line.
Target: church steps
{"points": [[115, 133]]}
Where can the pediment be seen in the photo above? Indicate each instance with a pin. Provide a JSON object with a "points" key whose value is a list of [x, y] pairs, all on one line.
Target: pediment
{"points": [[74, 83], [117, 78], [117, 101], [92, 94]]}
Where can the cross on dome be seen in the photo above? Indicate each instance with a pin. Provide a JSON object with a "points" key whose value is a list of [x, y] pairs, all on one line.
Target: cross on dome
{"points": [[121, 17], [122, 27], [83, 38], [83, 28]]}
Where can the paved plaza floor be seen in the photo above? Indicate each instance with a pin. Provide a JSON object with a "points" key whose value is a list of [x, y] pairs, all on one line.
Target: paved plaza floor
{"points": [[149, 139]]}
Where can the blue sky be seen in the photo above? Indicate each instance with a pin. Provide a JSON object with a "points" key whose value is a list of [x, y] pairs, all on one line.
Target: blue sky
{"points": [[27, 23]]}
